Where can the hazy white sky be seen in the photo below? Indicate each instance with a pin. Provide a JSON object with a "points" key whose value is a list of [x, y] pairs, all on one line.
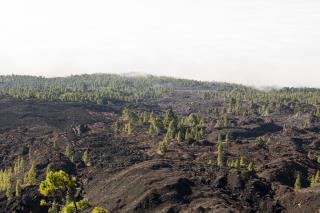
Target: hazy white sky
{"points": [[269, 42]]}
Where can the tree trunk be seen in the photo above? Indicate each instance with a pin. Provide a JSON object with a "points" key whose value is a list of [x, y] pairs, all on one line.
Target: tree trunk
{"points": [[75, 206]]}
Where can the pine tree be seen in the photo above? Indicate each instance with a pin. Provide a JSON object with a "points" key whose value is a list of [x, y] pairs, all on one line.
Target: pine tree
{"points": [[140, 116], [152, 117], [284, 128], [188, 135], [317, 177], [312, 181], [126, 113], [227, 139], [219, 154], [85, 157], [30, 152], [169, 116], [18, 165], [9, 191], [237, 164], [171, 130], [225, 121], [5, 178], [68, 151], [21, 164], [196, 134], [55, 147], [297, 184], [179, 137], [116, 126], [250, 167], [30, 178], [242, 161], [49, 168], [145, 117], [201, 134], [60, 185], [309, 155], [72, 159], [18, 188], [163, 145], [128, 128], [152, 129]]}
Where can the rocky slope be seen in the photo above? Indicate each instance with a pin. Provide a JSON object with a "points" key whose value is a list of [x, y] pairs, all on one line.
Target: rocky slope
{"points": [[126, 173]]}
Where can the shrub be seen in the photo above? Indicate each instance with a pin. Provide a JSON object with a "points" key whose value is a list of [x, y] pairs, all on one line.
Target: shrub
{"points": [[81, 205], [99, 210]]}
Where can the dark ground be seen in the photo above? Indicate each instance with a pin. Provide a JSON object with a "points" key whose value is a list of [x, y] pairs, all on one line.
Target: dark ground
{"points": [[127, 175]]}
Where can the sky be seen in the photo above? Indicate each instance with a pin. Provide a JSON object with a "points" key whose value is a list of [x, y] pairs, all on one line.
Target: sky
{"points": [[254, 42]]}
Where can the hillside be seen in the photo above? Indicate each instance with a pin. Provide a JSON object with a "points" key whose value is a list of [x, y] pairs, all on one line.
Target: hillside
{"points": [[159, 144]]}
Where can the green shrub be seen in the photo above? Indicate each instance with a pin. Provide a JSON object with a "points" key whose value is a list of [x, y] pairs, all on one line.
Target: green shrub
{"points": [[81, 205], [99, 210]]}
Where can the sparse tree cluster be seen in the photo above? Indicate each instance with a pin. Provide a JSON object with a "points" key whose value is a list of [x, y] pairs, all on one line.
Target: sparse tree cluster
{"points": [[315, 179], [9, 178], [191, 128]]}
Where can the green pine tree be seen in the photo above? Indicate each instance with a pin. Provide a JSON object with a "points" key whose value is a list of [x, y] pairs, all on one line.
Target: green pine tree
{"points": [[227, 138], [30, 152], [55, 147], [9, 191], [49, 168], [145, 117], [237, 164], [179, 137], [116, 126], [188, 135], [219, 154], [128, 128], [31, 177], [171, 129], [250, 167], [68, 151], [317, 177], [242, 161], [18, 188], [85, 157], [219, 137], [312, 181], [163, 146], [297, 184]]}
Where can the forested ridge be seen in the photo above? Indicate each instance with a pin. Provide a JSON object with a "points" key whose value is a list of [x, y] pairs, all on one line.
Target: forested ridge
{"points": [[99, 88]]}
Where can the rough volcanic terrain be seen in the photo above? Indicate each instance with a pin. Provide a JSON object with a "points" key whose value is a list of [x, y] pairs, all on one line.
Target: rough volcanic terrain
{"points": [[127, 174]]}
